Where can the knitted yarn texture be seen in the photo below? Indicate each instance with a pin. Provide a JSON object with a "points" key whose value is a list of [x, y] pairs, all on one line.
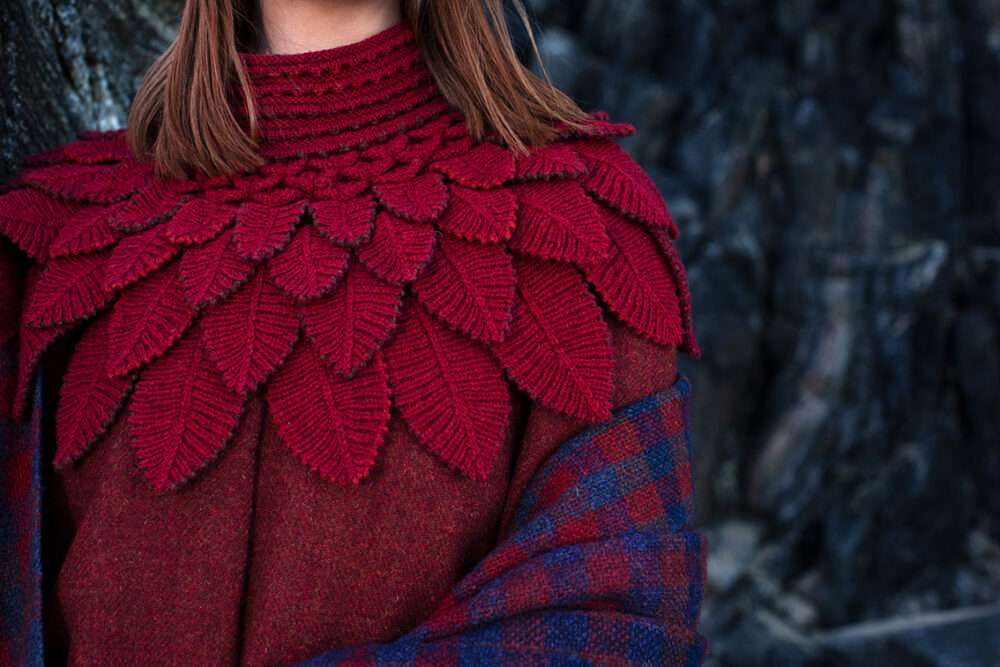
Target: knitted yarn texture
{"points": [[381, 258]]}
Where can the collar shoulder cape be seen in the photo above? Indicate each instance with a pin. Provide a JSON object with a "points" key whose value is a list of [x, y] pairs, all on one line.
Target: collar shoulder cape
{"points": [[380, 257]]}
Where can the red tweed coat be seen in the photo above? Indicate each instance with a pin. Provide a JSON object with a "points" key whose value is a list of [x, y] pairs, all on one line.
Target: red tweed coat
{"points": [[294, 407]]}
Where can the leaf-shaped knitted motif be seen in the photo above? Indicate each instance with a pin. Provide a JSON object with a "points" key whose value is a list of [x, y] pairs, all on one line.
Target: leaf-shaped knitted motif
{"points": [[421, 150], [136, 256], [264, 179], [148, 317], [332, 424], [32, 219], [33, 342], [480, 215], [394, 170], [559, 347], [331, 166], [251, 332], [614, 178], [86, 231], [554, 160], [689, 344], [100, 183], [309, 266], [299, 182], [637, 282], [421, 199], [452, 143], [386, 150], [90, 395], [182, 414], [448, 389], [398, 247], [211, 271], [346, 221], [278, 197], [470, 286], [599, 127], [225, 195], [104, 146], [110, 147], [263, 229], [68, 289], [45, 158], [330, 185], [557, 220], [348, 324], [485, 166], [368, 169], [198, 221], [153, 204]]}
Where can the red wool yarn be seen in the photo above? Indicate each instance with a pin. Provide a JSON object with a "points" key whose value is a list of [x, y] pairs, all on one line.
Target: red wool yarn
{"points": [[381, 258]]}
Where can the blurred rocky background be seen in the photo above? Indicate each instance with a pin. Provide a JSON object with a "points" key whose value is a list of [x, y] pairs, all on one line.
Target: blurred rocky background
{"points": [[834, 168]]}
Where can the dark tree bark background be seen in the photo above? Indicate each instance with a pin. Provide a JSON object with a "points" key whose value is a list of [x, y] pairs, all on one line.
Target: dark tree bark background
{"points": [[834, 168]]}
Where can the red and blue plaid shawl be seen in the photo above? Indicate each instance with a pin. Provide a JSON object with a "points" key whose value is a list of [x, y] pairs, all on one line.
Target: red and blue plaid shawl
{"points": [[20, 525], [599, 565]]}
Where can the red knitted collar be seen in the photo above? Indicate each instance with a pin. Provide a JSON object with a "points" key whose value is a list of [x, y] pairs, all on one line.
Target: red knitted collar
{"points": [[343, 98], [380, 257]]}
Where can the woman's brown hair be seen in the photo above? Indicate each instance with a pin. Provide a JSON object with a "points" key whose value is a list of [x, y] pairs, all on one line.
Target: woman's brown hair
{"points": [[181, 115]]}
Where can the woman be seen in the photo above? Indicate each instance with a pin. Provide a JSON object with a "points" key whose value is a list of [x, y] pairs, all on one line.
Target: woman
{"points": [[358, 345]]}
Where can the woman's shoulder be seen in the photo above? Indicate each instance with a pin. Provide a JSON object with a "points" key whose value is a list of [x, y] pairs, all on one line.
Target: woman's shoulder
{"points": [[90, 147], [425, 270], [98, 173], [635, 269], [53, 188]]}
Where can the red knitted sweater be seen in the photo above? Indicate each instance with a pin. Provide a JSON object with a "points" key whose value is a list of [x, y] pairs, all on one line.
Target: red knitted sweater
{"points": [[383, 281]]}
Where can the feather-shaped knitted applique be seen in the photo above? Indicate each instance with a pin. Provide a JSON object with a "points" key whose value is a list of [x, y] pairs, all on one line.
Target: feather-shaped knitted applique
{"points": [[90, 394], [387, 261]]}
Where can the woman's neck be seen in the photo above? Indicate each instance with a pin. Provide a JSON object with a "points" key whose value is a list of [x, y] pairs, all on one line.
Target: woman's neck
{"points": [[297, 26]]}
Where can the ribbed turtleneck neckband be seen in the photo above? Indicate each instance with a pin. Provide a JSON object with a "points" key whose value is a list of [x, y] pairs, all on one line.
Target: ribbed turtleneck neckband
{"points": [[340, 98]]}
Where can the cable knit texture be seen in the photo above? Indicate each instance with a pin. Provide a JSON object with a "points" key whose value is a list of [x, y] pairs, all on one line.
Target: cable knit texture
{"points": [[380, 258]]}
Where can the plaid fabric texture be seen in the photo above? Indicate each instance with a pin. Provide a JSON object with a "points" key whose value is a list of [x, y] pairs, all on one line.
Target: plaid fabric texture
{"points": [[600, 566], [20, 527]]}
